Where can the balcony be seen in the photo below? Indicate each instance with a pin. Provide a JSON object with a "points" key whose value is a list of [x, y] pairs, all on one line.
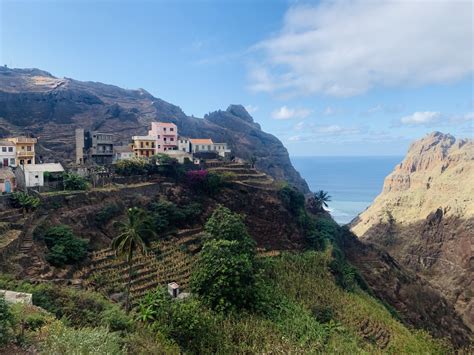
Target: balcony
{"points": [[25, 154], [25, 140]]}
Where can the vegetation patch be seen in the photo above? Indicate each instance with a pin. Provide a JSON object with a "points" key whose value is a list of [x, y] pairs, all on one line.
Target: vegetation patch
{"points": [[63, 246]]}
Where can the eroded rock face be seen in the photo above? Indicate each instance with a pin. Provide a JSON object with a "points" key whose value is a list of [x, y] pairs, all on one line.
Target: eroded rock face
{"points": [[35, 102], [424, 216], [414, 299]]}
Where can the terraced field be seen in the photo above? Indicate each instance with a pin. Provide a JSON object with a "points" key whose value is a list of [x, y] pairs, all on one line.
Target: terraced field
{"points": [[247, 176], [166, 261]]}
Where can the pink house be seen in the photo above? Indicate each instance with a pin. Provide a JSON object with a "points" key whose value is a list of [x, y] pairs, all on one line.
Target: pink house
{"points": [[166, 136], [7, 180]]}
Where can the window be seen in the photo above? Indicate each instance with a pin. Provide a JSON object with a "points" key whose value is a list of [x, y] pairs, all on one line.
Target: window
{"points": [[159, 146], [171, 129], [164, 129], [12, 161], [152, 145], [22, 147], [4, 149], [28, 148], [141, 144], [208, 147], [29, 161], [172, 139], [10, 149], [164, 139]]}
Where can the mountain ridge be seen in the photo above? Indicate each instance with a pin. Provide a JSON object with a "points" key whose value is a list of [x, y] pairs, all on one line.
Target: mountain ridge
{"points": [[33, 101], [424, 216]]}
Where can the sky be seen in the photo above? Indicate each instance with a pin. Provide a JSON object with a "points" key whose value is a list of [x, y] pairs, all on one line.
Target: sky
{"points": [[326, 77]]}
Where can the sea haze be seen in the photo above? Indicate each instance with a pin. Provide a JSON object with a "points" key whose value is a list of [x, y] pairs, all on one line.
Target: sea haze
{"points": [[352, 182]]}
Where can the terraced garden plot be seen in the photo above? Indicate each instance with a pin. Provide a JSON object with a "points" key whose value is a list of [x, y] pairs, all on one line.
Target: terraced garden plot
{"points": [[166, 261]]}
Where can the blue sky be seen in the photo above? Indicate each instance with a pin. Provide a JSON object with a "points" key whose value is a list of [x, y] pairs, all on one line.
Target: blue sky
{"points": [[327, 78]]}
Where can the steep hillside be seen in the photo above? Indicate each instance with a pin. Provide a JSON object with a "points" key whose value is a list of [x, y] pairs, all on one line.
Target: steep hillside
{"points": [[425, 216], [33, 101], [275, 227]]}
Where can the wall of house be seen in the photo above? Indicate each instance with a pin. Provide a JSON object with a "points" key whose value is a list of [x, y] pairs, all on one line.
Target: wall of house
{"points": [[166, 135], [8, 153], [184, 145], [34, 178]]}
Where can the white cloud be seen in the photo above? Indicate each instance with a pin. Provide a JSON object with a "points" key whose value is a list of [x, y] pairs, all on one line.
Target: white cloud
{"points": [[328, 111], [433, 118], [294, 139], [345, 48], [251, 109], [286, 113], [421, 118], [336, 130]]}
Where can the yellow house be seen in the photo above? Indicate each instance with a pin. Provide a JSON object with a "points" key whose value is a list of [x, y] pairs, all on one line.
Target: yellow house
{"points": [[25, 149], [144, 146]]}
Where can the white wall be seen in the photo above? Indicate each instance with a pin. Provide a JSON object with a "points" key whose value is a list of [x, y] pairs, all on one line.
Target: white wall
{"points": [[34, 178]]}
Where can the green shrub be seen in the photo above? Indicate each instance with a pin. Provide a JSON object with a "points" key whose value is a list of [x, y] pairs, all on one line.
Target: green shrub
{"points": [[187, 322], [135, 166], [6, 322], [224, 224], [63, 246], [107, 213], [167, 215], [23, 200], [73, 182], [116, 320], [292, 199], [59, 339]]}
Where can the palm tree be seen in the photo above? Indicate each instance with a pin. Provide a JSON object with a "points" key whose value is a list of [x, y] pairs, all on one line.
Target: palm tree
{"points": [[134, 235], [320, 200]]}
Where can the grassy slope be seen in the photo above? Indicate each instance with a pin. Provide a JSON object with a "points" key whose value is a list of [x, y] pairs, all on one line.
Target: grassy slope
{"points": [[311, 314]]}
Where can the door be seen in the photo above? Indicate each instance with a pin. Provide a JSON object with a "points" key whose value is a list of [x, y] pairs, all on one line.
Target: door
{"points": [[8, 186], [5, 162]]}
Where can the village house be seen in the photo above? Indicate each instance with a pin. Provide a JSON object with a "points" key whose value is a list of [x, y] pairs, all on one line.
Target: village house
{"points": [[184, 144], [94, 147], [24, 150], [166, 136], [208, 146], [33, 175], [7, 180], [123, 152], [7, 153], [144, 146]]}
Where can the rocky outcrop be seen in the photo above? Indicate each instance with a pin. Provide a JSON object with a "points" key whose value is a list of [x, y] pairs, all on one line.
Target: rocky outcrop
{"points": [[35, 102], [413, 299], [424, 216]]}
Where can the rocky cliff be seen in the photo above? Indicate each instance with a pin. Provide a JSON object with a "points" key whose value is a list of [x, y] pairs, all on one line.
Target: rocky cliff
{"points": [[35, 102], [424, 216]]}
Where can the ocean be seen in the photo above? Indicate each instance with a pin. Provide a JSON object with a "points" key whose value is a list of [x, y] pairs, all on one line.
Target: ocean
{"points": [[352, 182]]}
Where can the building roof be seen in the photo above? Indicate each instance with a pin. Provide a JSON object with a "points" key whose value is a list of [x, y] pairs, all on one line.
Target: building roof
{"points": [[48, 167], [201, 141], [123, 149], [6, 143], [144, 138], [6, 173], [25, 140], [163, 124]]}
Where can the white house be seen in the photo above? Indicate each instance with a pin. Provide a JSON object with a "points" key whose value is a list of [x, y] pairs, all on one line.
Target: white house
{"points": [[123, 152], [207, 145], [184, 144], [7, 153], [34, 173]]}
